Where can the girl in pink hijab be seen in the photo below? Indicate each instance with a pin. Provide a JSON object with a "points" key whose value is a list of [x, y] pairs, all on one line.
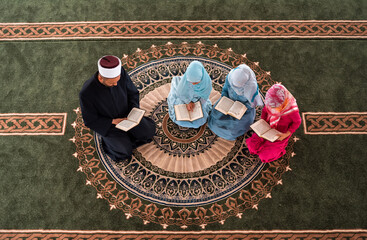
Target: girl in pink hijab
{"points": [[281, 112]]}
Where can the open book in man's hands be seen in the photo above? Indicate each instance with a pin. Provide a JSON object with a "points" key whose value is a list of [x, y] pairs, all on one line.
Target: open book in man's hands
{"points": [[263, 129], [182, 114], [229, 107], [133, 119]]}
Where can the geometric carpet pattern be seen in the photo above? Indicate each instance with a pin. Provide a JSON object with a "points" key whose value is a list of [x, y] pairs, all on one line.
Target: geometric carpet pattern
{"points": [[185, 29], [356, 234], [335, 123], [32, 123]]}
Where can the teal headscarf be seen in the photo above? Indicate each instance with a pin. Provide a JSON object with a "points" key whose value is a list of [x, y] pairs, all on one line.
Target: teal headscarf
{"points": [[195, 73]]}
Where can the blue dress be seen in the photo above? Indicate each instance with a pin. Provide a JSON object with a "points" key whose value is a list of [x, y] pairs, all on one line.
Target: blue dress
{"points": [[226, 126], [174, 98]]}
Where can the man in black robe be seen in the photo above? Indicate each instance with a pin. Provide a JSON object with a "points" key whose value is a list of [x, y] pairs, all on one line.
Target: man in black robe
{"points": [[106, 99]]}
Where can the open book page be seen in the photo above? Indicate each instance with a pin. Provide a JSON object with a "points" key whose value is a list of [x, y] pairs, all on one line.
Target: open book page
{"points": [[224, 105], [237, 110], [260, 127], [263, 129], [271, 135], [136, 115], [133, 119], [197, 112], [182, 114], [126, 125]]}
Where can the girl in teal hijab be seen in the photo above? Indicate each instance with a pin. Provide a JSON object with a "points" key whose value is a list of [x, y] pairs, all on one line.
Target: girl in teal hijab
{"points": [[195, 85]]}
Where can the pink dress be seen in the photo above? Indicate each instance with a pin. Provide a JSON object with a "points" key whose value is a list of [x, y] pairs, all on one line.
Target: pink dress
{"points": [[270, 151]]}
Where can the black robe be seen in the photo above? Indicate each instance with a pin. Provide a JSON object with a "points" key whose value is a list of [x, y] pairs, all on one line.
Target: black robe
{"points": [[101, 104]]}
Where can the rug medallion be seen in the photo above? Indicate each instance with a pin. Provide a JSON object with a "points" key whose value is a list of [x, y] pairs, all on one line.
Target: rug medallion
{"points": [[184, 176]]}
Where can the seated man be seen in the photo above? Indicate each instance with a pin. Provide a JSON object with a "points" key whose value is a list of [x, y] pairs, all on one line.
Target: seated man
{"points": [[106, 99]]}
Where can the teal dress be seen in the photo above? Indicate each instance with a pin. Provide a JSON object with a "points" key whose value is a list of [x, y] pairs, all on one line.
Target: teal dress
{"points": [[183, 91], [175, 99]]}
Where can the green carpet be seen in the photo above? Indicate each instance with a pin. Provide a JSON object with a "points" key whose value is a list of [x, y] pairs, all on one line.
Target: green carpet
{"points": [[40, 185]]}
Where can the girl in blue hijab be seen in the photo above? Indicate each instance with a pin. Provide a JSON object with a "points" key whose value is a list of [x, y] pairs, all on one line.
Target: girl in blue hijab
{"points": [[240, 85], [195, 85]]}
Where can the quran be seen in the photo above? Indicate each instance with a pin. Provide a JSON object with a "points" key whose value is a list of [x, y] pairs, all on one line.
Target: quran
{"points": [[133, 119], [182, 114], [263, 129], [229, 107]]}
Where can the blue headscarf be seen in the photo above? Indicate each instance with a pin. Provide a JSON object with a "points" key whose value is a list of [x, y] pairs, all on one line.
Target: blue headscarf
{"points": [[243, 81], [195, 73]]}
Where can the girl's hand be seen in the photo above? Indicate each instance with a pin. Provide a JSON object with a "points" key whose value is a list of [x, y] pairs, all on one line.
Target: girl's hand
{"points": [[284, 135], [190, 106]]}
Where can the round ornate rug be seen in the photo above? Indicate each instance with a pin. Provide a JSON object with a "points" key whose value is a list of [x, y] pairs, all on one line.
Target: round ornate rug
{"points": [[184, 176]]}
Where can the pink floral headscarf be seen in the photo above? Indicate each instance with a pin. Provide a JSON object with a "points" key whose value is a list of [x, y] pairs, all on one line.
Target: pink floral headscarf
{"points": [[279, 101]]}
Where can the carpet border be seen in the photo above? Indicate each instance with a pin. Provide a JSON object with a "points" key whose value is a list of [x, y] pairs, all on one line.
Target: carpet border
{"points": [[185, 29], [30, 129], [335, 234], [324, 119], [191, 232]]}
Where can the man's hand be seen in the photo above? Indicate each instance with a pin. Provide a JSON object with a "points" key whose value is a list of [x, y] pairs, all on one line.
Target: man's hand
{"points": [[190, 106], [118, 120], [284, 135]]}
